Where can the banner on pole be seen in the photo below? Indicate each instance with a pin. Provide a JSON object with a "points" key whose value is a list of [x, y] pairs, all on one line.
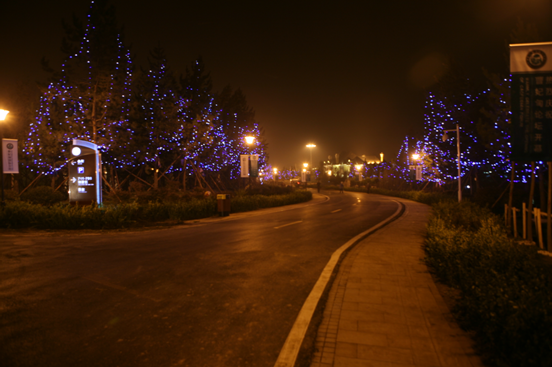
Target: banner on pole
{"points": [[531, 68], [244, 164], [10, 163], [254, 172]]}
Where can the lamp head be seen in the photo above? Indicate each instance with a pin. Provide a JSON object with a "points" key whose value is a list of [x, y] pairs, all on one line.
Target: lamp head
{"points": [[3, 114]]}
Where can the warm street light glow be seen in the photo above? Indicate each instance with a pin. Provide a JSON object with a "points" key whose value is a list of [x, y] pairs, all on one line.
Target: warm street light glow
{"points": [[3, 114], [249, 139], [275, 170], [415, 156], [358, 167], [329, 172], [305, 165], [310, 146]]}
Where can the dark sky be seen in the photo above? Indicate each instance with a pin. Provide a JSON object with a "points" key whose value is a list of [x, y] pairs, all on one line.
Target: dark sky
{"points": [[345, 75]]}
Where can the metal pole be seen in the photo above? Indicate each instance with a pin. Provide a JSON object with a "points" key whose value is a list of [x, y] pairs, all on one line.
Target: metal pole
{"points": [[459, 167], [511, 198], [548, 216], [530, 205], [2, 203]]}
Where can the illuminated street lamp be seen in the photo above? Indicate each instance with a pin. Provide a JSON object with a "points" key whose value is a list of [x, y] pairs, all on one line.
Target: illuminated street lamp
{"points": [[275, 171], [3, 114], [445, 137], [310, 146], [358, 168], [249, 140], [415, 156], [304, 173]]}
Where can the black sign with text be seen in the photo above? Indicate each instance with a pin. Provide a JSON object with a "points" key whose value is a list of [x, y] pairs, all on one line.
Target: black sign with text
{"points": [[532, 117]]}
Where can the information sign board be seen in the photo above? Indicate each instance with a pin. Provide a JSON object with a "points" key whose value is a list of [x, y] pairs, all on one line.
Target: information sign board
{"points": [[85, 185], [531, 68]]}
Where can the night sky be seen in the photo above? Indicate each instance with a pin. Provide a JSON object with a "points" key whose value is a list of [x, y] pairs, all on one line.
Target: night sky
{"points": [[347, 75]]}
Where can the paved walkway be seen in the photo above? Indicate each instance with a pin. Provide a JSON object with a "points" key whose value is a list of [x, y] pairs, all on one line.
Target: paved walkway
{"points": [[384, 308]]}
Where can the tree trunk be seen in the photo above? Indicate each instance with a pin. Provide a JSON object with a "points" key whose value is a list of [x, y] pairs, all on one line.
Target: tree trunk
{"points": [[184, 174], [112, 178], [53, 181]]}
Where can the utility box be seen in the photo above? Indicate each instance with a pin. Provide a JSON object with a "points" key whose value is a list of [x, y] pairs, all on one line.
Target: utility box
{"points": [[223, 205]]}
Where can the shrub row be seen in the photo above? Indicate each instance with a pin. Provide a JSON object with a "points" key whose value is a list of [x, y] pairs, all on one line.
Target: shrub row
{"points": [[22, 214], [505, 288]]}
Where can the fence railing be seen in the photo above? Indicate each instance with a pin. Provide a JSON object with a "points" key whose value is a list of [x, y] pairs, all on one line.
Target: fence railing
{"points": [[533, 218]]}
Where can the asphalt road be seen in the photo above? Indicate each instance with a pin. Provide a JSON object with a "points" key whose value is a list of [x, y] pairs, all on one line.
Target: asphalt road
{"points": [[217, 292]]}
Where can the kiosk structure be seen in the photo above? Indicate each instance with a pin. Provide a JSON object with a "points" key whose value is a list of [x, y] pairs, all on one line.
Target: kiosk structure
{"points": [[85, 169]]}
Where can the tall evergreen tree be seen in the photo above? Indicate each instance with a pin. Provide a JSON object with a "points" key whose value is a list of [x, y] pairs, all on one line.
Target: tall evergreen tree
{"points": [[160, 115], [89, 97]]}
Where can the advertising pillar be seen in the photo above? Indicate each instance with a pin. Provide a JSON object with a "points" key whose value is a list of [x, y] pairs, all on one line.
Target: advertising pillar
{"points": [[85, 169]]}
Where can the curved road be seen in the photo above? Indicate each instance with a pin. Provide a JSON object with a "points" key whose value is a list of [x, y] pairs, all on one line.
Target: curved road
{"points": [[215, 292]]}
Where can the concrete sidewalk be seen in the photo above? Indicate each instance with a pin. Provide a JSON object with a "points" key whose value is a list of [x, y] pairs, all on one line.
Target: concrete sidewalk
{"points": [[384, 308]]}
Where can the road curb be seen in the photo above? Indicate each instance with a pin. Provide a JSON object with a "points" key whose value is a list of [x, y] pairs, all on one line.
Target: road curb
{"points": [[290, 350]]}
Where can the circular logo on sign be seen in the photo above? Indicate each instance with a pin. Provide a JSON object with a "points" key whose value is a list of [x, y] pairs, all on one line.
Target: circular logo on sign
{"points": [[9, 145], [536, 59]]}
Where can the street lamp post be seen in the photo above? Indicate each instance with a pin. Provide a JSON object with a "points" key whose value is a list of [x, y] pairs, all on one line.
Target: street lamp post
{"points": [[250, 140], [445, 137], [358, 168], [310, 146], [305, 167], [3, 114]]}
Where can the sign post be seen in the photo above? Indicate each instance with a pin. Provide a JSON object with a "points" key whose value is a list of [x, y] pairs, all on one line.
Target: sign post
{"points": [[85, 173], [9, 160]]}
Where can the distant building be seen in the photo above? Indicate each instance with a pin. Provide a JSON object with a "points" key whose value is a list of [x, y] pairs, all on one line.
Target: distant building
{"points": [[341, 164]]}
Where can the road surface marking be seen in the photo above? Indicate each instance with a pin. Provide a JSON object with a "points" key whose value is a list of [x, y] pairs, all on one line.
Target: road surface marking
{"points": [[290, 350], [289, 224], [337, 210]]}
